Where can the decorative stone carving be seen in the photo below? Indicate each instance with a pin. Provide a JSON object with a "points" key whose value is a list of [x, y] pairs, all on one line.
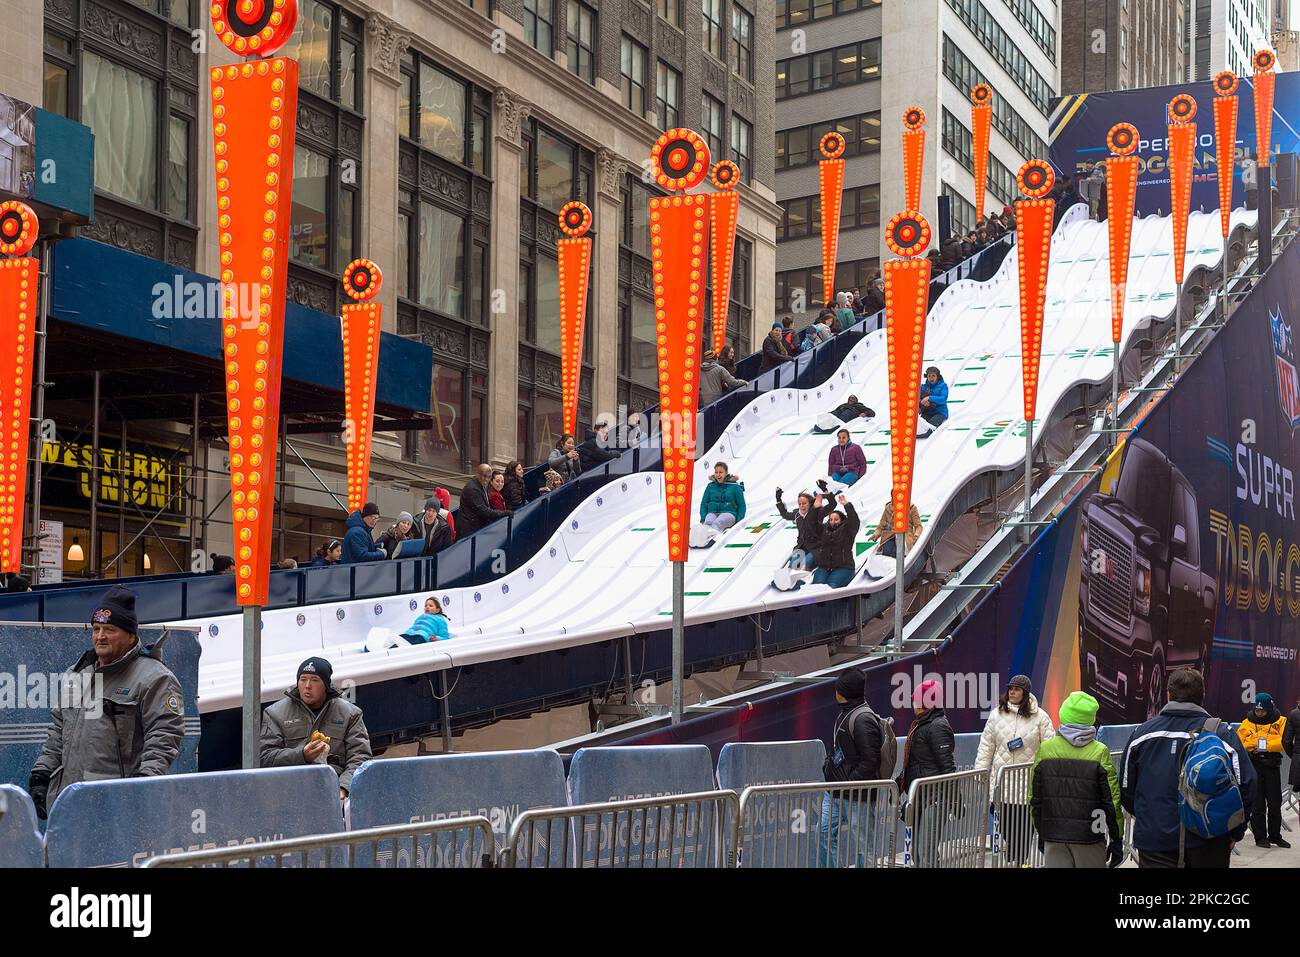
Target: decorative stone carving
{"points": [[64, 10], [315, 123], [641, 274], [547, 372], [670, 43], [436, 181], [444, 341], [128, 34], [310, 294], [478, 351], [180, 251], [182, 60], [482, 201], [406, 166], [133, 237], [386, 42], [636, 20], [610, 169], [715, 74], [511, 110], [350, 137], [525, 362]]}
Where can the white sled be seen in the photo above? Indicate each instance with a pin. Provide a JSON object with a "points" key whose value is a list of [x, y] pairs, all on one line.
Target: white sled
{"points": [[381, 639], [703, 536], [788, 579], [880, 566]]}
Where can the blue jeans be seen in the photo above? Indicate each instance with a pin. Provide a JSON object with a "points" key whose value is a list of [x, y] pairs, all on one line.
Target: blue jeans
{"points": [[721, 521], [835, 577], [799, 559], [890, 547], [859, 819], [844, 478]]}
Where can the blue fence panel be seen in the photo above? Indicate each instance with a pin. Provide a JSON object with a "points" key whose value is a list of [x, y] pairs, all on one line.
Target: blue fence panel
{"points": [[20, 837], [123, 823], [498, 785], [1115, 736], [32, 659], [751, 763]]}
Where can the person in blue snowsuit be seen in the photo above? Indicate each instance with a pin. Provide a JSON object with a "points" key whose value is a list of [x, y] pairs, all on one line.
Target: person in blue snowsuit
{"points": [[934, 398]]}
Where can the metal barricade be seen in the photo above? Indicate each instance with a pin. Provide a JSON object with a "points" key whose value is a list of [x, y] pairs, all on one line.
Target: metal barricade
{"points": [[463, 842], [680, 830], [846, 824], [1116, 758], [946, 821], [1015, 839]]}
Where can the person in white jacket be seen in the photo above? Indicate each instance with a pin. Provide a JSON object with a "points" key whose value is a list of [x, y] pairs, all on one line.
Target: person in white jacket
{"points": [[1015, 731]]}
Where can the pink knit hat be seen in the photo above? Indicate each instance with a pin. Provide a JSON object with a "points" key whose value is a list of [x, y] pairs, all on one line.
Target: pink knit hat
{"points": [[929, 694]]}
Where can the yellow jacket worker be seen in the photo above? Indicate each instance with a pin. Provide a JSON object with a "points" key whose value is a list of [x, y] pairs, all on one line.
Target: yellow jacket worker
{"points": [[1261, 735]]}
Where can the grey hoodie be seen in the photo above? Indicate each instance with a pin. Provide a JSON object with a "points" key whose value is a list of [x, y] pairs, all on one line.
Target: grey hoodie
{"points": [[716, 381]]}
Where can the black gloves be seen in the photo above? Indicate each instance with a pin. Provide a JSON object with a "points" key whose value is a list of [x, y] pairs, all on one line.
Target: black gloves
{"points": [[1115, 852], [779, 493], [38, 786], [821, 484]]}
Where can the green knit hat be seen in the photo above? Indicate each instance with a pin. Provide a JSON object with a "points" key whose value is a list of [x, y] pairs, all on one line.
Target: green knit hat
{"points": [[1079, 708]]}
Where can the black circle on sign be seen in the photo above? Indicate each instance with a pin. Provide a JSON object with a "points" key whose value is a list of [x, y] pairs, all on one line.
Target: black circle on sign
{"points": [[242, 28]]}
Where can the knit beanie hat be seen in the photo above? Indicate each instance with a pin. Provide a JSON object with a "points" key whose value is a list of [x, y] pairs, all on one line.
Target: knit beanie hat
{"points": [[370, 508], [929, 694], [851, 685], [1079, 708], [1264, 700], [319, 667], [404, 517], [1022, 682], [117, 608]]}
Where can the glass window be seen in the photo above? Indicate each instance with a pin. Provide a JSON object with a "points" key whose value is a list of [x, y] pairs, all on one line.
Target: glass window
{"points": [[668, 84], [671, 11], [538, 21], [311, 46], [632, 70], [405, 105], [643, 369], [403, 277], [823, 70], [478, 143], [179, 12], [346, 226], [741, 134], [442, 113], [178, 167], [348, 74], [711, 120], [555, 162], [742, 43], [546, 305], [56, 88], [580, 45], [548, 424], [117, 99], [441, 258], [440, 444], [712, 27]]}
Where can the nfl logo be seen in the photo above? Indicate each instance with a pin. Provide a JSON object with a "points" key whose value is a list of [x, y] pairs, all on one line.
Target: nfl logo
{"points": [[101, 616], [1288, 382]]}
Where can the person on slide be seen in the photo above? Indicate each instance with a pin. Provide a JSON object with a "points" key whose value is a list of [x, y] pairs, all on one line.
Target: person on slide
{"points": [[847, 462], [833, 556], [721, 506], [934, 401], [835, 419], [807, 520], [886, 548], [431, 626]]}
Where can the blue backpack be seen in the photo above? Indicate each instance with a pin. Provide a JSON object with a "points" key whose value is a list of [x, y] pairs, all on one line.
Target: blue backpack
{"points": [[1209, 794]]}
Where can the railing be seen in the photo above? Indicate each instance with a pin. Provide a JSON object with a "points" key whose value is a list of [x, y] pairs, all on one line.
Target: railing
{"points": [[454, 843], [698, 830], [946, 821], [846, 824], [1015, 839]]}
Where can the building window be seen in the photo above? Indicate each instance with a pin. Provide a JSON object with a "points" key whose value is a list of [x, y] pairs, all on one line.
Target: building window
{"points": [[957, 143], [482, 7], [1013, 127], [441, 109], [740, 308], [742, 43], [798, 147], [802, 217], [741, 135], [800, 290], [671, 11], [961, 211], [711, 112], [117, 98], [580, 44], [538, 22], [1003, 49], [668, 84], [825, 69], [632, 70], [327, 46], [440, 253], [793, 13], [712, 27]]}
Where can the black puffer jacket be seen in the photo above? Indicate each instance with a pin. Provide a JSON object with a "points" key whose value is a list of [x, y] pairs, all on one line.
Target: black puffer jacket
{"points": [[835, 550], [929, 748], [1067, 792], [514, 492], [852, 410], [809, 526], [860, 745]]}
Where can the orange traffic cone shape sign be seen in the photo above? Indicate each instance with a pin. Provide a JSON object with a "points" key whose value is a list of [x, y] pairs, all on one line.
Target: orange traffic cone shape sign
{"points": [[831, 173], [1182, 148], [575, 273], [19, 287], [981, 116], [362, 321], [1225, 142], [724, 209], [1033, 247], [913, 156], [1121, 190]]}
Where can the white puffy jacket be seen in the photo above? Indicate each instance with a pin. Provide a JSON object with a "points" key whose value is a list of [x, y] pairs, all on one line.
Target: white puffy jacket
{"points": [[1004, 727]]}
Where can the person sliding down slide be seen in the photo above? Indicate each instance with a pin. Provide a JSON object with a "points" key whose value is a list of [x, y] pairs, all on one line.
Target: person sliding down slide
{"points": [[833, 420], [807, 519], [429, 627], [833, 556], [721, 506], [884, 561], [934, 403]]}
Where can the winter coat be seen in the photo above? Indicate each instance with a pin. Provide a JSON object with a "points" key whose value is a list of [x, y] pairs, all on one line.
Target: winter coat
{"points": [[929, 748], [848, 457], [1004, 727], [860, 745], [475, 509], [321, 562], [835, 549], [443, 496], [774, 353], [852, 410], [437, 535], [845, 315], [1270, 729], [559, 462], [288, 724], [430, 628], [1291, 745], [495, 500], [875, 300], [514, 492], [885, 527], [358, 545], [1072, 779], [1148, 776], [715, 382], [938, 396], [730, 364], [133, 730], [725, 496], [592, 452], [821, 332], [391, 539], [809, 526]]}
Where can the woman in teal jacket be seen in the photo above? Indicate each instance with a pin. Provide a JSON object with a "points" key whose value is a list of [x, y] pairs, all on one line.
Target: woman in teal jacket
{"points": [[431, 626], [723, 502]]}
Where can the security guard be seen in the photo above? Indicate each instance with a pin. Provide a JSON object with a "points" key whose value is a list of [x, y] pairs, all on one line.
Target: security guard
{"points": [[128, 720], [1261, 735]]}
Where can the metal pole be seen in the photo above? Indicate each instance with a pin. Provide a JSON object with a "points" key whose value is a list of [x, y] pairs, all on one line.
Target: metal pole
{"points": [[1178, 329], [1114, 397], [1224, 295], [900, 548], [282, 468], [628, 691], [42, 320], [1029, 479], [679, 615], [203, 511], [92, 547], [252, 686], [444, 711]]}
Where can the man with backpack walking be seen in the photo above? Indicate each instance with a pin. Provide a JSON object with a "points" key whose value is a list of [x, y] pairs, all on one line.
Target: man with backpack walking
{"points": [[863, 748], [1187, 781]]}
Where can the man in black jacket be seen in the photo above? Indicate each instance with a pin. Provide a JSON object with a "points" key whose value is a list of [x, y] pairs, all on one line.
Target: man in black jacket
{"points": [[595, 448], [774, 350], [432, 529], [475, 512], [856, 753]]}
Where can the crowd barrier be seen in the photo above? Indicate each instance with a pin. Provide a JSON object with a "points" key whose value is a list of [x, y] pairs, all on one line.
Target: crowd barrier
{"points": [[402, 845], [748, 764], [20, 836], [847, 824], [1015, 839], [599, 775], [946, 821]]}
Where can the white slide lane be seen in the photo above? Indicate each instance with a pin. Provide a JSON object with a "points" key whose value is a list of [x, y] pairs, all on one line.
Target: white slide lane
{"points": [[605, 572]]}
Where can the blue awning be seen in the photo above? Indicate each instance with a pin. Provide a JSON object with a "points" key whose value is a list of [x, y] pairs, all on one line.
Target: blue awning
{"points": [[113, 291]]}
